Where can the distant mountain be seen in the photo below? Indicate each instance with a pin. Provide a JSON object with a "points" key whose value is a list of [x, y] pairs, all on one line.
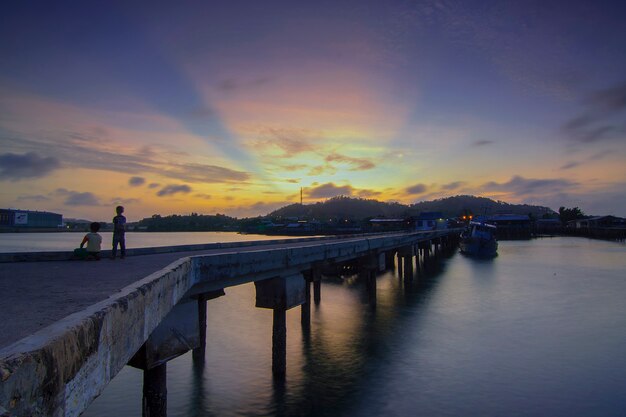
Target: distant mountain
{"points": [[344, 208], [457, 205], [357, 209]]}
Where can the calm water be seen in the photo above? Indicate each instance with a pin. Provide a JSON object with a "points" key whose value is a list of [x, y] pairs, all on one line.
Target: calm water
{"points": [[538, 331], [67, 241]]}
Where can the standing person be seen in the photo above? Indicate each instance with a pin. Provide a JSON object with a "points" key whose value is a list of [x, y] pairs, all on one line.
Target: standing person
{"points": [[93, 241], [119, 229]]}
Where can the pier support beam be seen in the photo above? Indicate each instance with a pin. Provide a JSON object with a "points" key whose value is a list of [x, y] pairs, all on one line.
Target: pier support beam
{"points": [[390, 259], [405, 258], [279, 343], [154, 402], [369, 266], [317, 285], [371, 287], [198, 352], [305, 312], [427, 257], [280, 294]]}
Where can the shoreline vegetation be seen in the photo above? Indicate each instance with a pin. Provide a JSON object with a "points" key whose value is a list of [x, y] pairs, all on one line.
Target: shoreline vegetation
{"points": [[346, 215]]}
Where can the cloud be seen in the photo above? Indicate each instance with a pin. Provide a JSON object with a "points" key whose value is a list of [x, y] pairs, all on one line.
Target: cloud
{"points": [[174, 189], [294, 167], [77, 198], [602, 118], [526, 187], [290, 141], [329, 190], [121, 200], [482, 142], [154, 185], [610, 99], [322, 169], [259, 208], [358, 164], [35, 198], [136, 181], [600, 155], [79, 150], [416, 189], [203, 196], [364, 193], [204, 173], [16, 167], [452, 185], [570, 165]]}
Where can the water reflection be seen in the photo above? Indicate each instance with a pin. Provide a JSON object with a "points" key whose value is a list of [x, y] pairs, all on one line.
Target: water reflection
{"points": [[537, 331]]}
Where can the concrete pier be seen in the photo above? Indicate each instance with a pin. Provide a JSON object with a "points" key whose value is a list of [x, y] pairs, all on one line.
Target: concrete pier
{"points": [[305, 313], [154, 402], [60, 369], [279, 343]]}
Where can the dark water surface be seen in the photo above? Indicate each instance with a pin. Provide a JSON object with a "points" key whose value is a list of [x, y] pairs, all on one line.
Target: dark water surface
{"points": [[538, 331]]}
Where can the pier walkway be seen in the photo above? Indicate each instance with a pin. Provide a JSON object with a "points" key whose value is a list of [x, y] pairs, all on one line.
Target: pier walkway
{"points": [[68, 327], [35, 294]]}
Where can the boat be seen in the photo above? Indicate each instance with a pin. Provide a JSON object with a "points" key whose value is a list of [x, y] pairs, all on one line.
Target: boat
{"points": [[479, 239]]}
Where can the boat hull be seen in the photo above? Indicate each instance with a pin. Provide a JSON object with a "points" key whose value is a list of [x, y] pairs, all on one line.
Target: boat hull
{"points": [[479, 247]]}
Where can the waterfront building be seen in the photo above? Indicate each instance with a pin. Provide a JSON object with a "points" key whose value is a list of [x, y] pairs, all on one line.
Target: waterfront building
{"points": [[597, 222], [510, 226], [18, 219], [430, 220]]}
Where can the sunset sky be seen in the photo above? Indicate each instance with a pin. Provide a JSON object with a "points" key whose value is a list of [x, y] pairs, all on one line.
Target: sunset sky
{"points": [[231, 106]]}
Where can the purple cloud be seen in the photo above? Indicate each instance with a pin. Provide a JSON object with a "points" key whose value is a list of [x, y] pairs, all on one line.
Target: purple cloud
{"points": [[136, 181], [329, 190], [452, 185], [527, 186], [174, 189], [602, 118], [358, 164], [416, 189], [77, 198], [16, 167]]}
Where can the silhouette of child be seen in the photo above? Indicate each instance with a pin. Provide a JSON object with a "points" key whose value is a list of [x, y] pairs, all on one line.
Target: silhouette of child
{"points": [[119, 229], [93, 241]]}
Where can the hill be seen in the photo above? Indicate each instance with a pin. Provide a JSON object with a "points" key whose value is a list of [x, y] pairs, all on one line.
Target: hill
{"points": [[344, 208], [457, 205], [358, 209]]}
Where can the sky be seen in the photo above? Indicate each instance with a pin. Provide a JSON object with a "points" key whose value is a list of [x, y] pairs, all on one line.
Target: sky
{"points": [[233, 107]]}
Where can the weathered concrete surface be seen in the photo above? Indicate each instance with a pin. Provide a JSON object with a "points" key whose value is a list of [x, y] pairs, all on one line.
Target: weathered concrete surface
{"points": [[34, 295], [59, 370], [69, 255]]}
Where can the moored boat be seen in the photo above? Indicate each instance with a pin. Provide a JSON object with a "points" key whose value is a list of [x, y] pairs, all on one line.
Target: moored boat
{"points": [[479, 239]]}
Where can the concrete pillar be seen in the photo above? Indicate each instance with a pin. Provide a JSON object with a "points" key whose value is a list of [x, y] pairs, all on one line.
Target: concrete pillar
{"points": [[154, 403], [408, 268], [390, 259], [382, 265], [426, 252], [280, 294], [371, 286], [305, 312], [317, 285], [199, 352], [279, 343]]}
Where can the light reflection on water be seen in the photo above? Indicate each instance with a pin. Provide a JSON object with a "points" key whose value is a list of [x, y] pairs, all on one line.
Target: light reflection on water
{"points": [[538, 331]]}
